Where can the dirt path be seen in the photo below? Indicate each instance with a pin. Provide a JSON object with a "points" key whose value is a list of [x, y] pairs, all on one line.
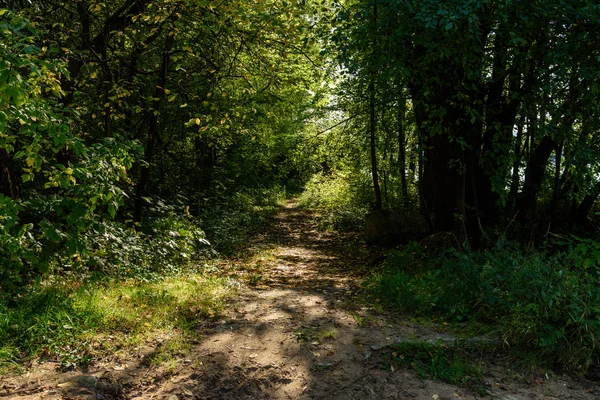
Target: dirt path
{"points": [[296, 332]]}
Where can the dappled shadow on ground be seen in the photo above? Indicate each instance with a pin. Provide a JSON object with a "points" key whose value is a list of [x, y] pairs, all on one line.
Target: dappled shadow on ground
{"points": [[297, 332]]}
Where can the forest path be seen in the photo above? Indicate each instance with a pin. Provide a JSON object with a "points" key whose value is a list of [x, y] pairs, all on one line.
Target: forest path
{"points": [[296, 331]]}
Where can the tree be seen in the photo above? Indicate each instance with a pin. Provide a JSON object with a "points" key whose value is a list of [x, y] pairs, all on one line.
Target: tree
{"points": [[475, 69]]}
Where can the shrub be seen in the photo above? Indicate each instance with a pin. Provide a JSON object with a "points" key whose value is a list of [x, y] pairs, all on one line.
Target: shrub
{"points": [[546, 303], [230, 219], [341, 198]]}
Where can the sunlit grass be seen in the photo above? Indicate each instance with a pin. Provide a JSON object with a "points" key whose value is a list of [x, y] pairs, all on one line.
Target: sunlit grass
{"points": [[70, 322]]}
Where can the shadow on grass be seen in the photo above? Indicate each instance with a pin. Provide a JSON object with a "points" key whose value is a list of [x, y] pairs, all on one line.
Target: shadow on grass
{"points": [[298, 334]]}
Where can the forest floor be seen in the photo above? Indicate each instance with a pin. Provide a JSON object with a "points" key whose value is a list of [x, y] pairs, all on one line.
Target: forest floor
{"points": [[297, 329]]}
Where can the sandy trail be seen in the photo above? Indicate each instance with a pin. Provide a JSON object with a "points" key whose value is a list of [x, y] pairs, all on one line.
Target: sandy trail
{"points": [[297, 333]]}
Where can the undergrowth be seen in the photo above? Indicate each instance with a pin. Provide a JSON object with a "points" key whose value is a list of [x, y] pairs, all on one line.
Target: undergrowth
{"points": [[66, 321], [342, 198], [229, 220], [136, 282], [169, 241], [544, 304], [453, 364]]}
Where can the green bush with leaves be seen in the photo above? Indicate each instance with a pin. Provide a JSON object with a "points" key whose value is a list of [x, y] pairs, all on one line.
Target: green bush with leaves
{"points": [[343, 197], [58, 210], [548, 303], [229, 219], [54, 186]]}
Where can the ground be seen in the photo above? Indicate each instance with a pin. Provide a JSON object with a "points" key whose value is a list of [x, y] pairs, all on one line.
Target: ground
{"points": [[295, 331]]}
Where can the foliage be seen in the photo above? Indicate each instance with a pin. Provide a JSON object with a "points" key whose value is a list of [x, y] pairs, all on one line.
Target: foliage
{"points": [[169, 244], [537, 301], [115, 110], [342, 198], [230, 220], [468, 103], [58, 200]]}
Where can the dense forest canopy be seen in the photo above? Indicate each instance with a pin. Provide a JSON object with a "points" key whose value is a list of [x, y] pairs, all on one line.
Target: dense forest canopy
{"points": [[497, 99], [117, 114]]}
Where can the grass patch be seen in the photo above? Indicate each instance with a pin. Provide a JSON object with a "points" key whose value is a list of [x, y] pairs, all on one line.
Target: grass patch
{"points": [[303, 335], [67, 321], [540, 304], [447, 363], [167, 354], [328, 334]]}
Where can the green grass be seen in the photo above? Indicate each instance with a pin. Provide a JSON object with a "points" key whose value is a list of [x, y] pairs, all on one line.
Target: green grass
{"points": [[447, 363], [69, 322], [167, 354], [328, 334], [543, 306], [340, 200]]}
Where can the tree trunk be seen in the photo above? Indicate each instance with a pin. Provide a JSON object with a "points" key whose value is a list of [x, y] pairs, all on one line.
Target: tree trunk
{"points": [[152, 130], [493, 138], [556, 192], [502, 107], [533, 125], [372, 119], [514, 183], [527, 145], [9, 186], [402, 149], [424, 184], [442, 183], [534, 175], [584, 208], [107, 86]]}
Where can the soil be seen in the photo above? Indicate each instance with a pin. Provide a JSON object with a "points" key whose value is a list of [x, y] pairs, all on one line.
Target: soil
{"points": [[297, 330]]}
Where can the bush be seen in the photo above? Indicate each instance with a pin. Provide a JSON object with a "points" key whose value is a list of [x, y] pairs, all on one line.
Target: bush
{"points": [[169, 245], [229, 220], [341, 197], [50, 226], [546, 303]]}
